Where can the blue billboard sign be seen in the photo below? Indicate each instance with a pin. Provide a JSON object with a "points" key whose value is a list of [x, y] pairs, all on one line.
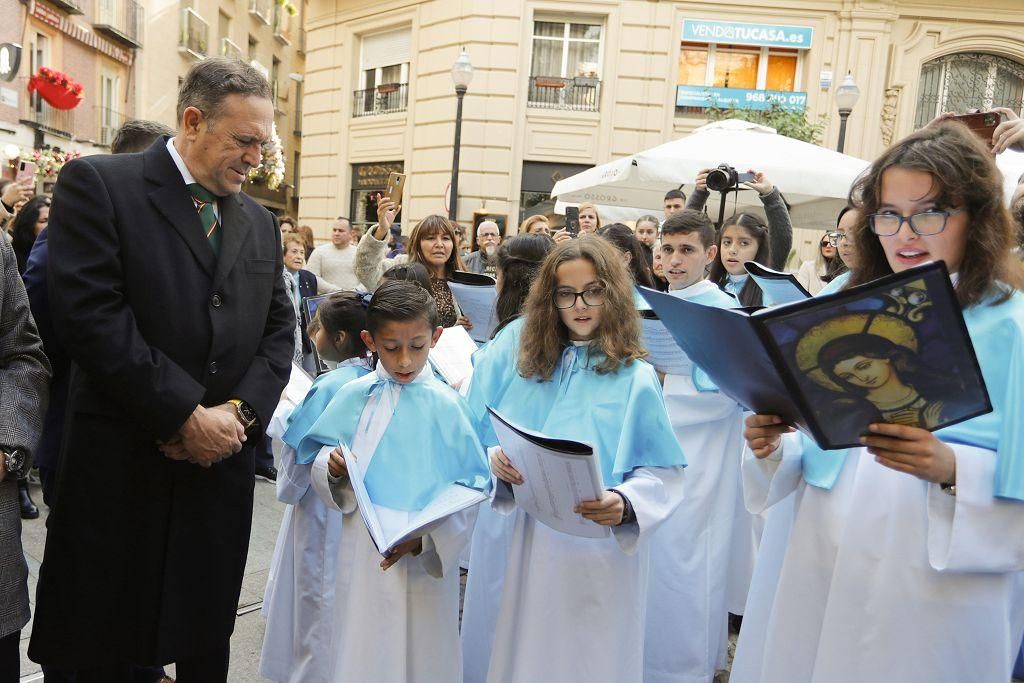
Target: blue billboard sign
{"points": [[738, 98], [739, 33]]}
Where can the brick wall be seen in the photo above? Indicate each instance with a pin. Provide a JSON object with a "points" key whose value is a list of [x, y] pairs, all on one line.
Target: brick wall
{"points": [[79, 63]]}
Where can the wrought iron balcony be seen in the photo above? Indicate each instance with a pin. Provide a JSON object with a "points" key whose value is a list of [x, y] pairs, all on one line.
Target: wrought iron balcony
{"points": [[554, 92], [386, 98], [195, 33], [228, 48], [35, 112], [282, 25], [260, 9], [121, 20]]}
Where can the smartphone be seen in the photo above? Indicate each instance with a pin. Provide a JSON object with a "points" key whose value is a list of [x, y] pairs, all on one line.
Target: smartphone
{"points": [[572, 220], [26, 171], [395, 187], [982, 124], [744, 178]]}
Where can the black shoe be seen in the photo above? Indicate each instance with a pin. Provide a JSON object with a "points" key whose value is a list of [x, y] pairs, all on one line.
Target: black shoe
{"points": [[28, 508], [267, 473]]}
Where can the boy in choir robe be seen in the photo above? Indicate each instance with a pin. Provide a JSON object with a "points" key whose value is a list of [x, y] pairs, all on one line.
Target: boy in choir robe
{"points": [[686, 622], [572, 608], [396, 619], [905, 558], [298, 603]]}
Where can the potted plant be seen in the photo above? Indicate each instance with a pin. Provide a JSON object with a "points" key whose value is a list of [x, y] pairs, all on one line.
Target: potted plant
{"points": [[56, 88]]}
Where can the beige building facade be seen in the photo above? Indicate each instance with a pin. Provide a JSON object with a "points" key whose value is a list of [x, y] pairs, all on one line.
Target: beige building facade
{"points": [[562, 86], [262, 32]]}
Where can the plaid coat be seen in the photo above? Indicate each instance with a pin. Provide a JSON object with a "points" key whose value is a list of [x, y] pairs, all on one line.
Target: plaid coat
{"points": [[24, 377]]}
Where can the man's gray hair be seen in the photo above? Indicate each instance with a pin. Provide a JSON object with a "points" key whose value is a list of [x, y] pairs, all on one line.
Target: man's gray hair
{"points": [[209, 81]]}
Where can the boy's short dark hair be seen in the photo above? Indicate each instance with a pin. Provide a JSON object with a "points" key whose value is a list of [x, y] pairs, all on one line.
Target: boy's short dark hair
{"points": [[137, 135], [675, 194], [688, 221], [400, 301]]}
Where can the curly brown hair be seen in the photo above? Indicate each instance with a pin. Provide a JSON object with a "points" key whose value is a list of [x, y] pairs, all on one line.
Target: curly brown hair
{"points": [[545, 336], [428, 227], [963, 174]]}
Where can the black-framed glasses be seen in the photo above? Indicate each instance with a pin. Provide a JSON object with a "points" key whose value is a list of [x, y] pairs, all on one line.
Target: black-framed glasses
{"points": [[592, 296], [834, 238], [930, 222]]}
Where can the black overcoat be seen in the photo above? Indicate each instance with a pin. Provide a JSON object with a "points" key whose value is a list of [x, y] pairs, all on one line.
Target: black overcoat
{"points": [[144, 555]]}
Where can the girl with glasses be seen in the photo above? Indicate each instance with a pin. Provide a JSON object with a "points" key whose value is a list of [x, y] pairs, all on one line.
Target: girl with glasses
{"points": [[905, 556], [826, 265], [571, 607]]}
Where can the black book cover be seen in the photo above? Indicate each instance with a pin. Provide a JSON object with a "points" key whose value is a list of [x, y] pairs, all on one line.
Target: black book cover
{"points": [[894, 350]]}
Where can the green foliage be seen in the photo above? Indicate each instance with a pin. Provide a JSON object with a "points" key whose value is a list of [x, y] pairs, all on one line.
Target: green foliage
{"points": [[792, 124]]}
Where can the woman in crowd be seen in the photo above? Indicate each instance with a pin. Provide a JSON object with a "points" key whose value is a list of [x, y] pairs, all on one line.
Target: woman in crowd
{"points": [[916, 538], [844, 239], [647, 232], [632, 251], [27, 225], [589, 223], [535, 223], [815, 274], [432, 243], [307, 239]]}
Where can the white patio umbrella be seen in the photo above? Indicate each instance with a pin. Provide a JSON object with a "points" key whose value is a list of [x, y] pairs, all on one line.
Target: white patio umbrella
{"points": [[1012, 165], [814, 180]]}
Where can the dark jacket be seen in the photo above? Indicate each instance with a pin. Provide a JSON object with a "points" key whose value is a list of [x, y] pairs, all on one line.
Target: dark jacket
{"points": [[38, 297], [144, 555], [24, 374]]}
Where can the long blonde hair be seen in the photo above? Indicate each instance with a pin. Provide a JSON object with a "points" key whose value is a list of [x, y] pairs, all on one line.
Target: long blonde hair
{"points": [[428, 227], [545, 336]]}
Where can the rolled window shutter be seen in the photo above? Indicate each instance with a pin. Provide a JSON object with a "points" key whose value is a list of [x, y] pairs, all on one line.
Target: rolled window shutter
{"points": [[386, 49]]}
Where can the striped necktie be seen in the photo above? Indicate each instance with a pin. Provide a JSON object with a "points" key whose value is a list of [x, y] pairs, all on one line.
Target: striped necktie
{"points": [[205, 201]]}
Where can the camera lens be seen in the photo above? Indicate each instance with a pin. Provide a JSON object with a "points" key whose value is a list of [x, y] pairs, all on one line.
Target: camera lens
{"points": [[720, 179]]}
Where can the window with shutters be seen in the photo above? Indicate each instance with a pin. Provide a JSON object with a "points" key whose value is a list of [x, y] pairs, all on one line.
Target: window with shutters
{"points": [[384, 73]]}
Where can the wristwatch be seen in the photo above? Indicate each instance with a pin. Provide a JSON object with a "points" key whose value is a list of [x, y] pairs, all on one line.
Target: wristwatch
{"points": [[15, 462], [246, 415]]}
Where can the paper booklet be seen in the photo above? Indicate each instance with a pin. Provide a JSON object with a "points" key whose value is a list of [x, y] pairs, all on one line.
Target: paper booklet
{"points": [[389, 527], [662, 351], [558, 475], [894, 350], [299, 384], [778, 287], [452, 355], [476, 296]]}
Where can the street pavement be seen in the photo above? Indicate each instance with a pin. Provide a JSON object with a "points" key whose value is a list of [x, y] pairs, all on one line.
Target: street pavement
{"points": [[248, 636]]}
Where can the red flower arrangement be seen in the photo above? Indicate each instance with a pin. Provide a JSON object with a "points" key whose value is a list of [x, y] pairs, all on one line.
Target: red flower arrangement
{"points": [[59, 91]]}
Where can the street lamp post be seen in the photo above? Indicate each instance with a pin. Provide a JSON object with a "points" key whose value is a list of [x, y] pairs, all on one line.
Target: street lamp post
{"points": [[847, 95], [462, 74]]}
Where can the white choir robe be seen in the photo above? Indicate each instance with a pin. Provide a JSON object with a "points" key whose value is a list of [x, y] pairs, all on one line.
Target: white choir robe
{"points": [[686, 636], [572, 609], [402, 625], [886, 577], [298, 602]]}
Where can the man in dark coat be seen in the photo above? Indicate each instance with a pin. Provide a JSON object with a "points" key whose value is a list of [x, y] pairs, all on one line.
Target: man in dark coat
{"points": [[165, 290]]}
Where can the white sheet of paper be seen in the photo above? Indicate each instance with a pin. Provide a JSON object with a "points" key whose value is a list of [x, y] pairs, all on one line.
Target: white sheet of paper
{"points": [[389, 527], [665, 354], [299, 384], [477, 304], [554, 482], [452, 355]]}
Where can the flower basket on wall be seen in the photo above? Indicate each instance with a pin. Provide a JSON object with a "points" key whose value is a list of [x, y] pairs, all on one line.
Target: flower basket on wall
{"points": [[56, 88]]}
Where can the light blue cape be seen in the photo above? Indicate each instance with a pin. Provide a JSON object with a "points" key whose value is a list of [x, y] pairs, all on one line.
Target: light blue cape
{"points": [[997, 332], [621, 413], [836, 284], [320, 394], [429, 444]]}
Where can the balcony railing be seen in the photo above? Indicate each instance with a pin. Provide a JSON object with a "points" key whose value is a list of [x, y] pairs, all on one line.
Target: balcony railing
{"points": [[282, 25], [69, 6], [386, 98], [228, 48], [121, 20], [110, 121], [195, 34], [553, 92], [37, 113], [260, 9]]}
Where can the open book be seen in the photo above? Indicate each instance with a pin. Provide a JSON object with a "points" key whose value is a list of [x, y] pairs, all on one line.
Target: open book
{"points": [[777, 287], [893, 350], [558, 474], [476, 296], [389, 527], [452, 355]]}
